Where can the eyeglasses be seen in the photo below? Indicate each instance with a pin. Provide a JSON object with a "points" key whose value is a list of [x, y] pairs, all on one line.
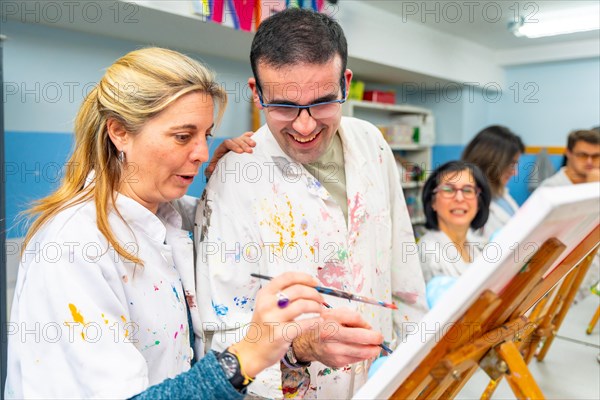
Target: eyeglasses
{"points": [[289, 112], [584, 156], [449, 191]]}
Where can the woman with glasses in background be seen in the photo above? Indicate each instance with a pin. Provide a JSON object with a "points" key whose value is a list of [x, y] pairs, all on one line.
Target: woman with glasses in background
{"points": [[496, 151], [456, 198]]}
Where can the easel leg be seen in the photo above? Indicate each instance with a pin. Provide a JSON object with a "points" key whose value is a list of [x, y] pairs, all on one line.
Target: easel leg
{"points": [[578, 276], [595, 318], [518, 377], [490, 389]]}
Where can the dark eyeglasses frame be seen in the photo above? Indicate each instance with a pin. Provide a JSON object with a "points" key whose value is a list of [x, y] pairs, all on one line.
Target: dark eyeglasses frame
{"points": [[300, 108], [456, 190], [584, 156]]}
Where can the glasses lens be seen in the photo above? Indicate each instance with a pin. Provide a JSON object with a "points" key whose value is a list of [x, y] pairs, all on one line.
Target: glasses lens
{"points": [[469, 192], [323, 111], [447, 191], [283, 113]]}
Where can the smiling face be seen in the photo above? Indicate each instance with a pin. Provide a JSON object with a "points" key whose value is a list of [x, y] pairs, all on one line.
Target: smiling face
{"points": [[455, 213], [163, 158], [304, 139]]}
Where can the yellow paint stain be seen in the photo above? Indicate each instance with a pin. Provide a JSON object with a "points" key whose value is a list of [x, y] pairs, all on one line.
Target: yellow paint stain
{"points": [[123, 318], [282, 223], [312, 250], [126, 333], [77, 317], [292, 225], [281, 228], [104, 319]]}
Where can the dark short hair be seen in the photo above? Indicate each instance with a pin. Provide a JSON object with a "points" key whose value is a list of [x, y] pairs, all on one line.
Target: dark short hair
{"points": [[483, 200], [296, 36], [493, 150], [591, 136]]}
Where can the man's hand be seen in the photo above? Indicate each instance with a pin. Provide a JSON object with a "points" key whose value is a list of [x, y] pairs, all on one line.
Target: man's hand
{"points": [[342, 338], [240, 144]]}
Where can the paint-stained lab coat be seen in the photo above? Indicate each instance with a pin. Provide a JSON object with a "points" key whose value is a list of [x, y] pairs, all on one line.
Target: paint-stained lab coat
{"points": [[265, 214], [86, 318]]}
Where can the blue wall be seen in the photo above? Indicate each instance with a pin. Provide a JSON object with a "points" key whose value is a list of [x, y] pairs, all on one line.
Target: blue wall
{"points": [[553, 99]]}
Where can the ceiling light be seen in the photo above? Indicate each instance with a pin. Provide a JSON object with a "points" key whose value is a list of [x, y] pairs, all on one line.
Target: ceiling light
{"points": [[554, 23]]}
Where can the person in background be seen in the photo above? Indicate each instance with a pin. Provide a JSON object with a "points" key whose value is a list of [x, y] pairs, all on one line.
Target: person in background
{"points": [[582, 166], [320, 194], [456, 199], [496, 151], [106, 278], [582, 160]]}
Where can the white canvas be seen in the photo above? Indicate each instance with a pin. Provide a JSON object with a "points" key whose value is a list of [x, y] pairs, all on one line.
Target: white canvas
{"points": [[567, 213]]}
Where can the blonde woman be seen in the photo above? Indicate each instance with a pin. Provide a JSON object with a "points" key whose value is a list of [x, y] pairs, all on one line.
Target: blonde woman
{"points": [[106, 280]]}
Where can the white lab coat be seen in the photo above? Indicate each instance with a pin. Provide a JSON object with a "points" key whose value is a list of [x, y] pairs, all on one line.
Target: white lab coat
{"points": [[439, 255], [87, 318], [497, 219], [263, 213], [560, 178]]}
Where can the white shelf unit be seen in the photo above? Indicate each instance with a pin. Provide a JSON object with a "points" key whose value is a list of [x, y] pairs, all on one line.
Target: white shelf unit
{"points": [[407, 154]]}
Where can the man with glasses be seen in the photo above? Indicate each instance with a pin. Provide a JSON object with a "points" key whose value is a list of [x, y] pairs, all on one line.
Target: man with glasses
{"points": [[321, 194], [582, 166], [582, 160]]}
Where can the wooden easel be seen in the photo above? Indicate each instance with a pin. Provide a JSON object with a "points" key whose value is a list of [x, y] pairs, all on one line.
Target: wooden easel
{"points": [[549, 313], [489, 334]]}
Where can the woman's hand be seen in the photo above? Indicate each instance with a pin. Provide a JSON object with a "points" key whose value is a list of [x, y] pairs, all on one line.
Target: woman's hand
{"points": [[274, 327], [240, 144]]}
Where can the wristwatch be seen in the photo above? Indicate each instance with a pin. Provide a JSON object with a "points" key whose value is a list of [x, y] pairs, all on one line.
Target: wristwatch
{"points": [[233, 371], [291, 361]]}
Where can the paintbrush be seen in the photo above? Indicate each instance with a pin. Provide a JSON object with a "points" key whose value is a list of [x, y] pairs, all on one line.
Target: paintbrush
{"points": [[345, 295]]}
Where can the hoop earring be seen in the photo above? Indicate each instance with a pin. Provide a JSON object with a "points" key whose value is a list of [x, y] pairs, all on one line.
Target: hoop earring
{"points": [[121, 157]]}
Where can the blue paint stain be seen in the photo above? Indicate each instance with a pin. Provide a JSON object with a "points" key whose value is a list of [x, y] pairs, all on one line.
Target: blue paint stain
{"points": [[220, 309], [241, 301], [176, 294]]}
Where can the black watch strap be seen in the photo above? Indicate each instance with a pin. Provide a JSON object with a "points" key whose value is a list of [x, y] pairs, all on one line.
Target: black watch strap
{"points": [[233, 370]]}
